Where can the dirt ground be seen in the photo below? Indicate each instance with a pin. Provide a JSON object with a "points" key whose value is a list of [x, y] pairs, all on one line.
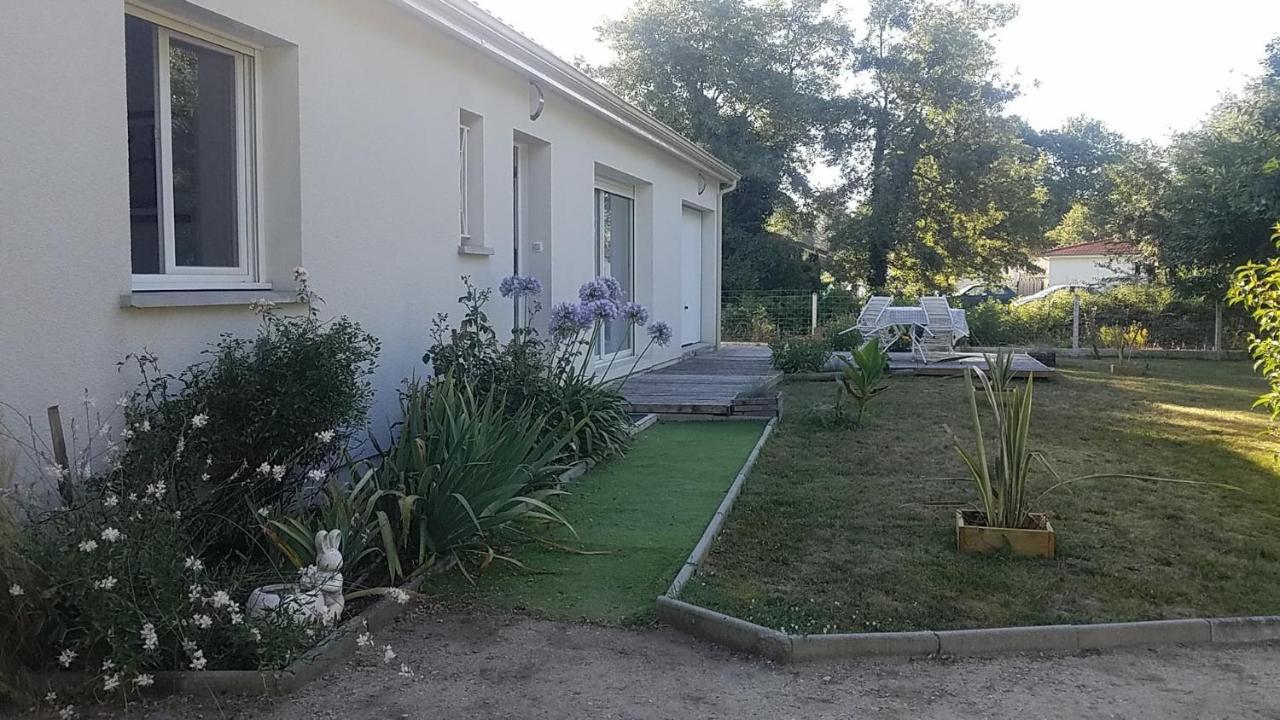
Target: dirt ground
{"points": [[502, 666]]}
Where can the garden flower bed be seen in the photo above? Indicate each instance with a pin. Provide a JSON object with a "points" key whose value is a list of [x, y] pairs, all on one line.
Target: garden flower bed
{"points": [[211, 531], [844, 530]]}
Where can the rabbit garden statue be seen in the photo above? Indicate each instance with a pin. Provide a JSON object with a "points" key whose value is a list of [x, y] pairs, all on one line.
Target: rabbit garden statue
{"points": [[316, 597]]}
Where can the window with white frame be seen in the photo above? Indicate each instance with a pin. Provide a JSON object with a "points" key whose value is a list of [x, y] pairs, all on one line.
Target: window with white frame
{"points": [[464, 139], [471, 178], [191, 156], [615, 256]]}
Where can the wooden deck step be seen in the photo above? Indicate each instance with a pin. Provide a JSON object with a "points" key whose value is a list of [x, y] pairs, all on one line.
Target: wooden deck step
{"points": [[706, 384]]}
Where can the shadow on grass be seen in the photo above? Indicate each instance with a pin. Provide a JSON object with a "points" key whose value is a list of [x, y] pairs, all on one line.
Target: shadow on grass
{"points": [[852, 530]]}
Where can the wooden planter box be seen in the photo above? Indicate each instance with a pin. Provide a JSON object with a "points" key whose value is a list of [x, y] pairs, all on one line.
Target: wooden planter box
{"points": [[979, 539]]}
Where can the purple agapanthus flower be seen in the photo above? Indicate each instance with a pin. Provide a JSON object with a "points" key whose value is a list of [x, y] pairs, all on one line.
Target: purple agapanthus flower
{"points": [[603, 309], [567, 319], [518, 286], [613, 288], [593, 290], [660, 332], [530, 285], [586, 319], [636, 313]]}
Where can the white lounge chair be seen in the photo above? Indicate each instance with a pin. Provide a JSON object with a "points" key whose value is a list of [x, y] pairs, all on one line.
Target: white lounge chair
{"points": [[938, 338], [872, 321]]}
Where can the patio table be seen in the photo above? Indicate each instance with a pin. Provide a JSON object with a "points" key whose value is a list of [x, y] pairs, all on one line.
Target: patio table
{"points": [[904, 319]]}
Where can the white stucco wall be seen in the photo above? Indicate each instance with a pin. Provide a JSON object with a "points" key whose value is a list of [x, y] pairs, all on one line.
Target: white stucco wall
{"points": [[360, 110], [1084, 269]]}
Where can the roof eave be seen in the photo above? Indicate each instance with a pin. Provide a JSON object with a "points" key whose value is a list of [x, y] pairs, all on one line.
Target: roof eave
{"points": [[478, 28]]}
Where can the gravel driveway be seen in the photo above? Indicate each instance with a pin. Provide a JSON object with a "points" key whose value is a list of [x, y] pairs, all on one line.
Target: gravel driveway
{"points": [[486, 666]]}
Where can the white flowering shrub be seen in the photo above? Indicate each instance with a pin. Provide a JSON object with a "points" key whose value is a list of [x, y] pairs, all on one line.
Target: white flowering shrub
{"points": [[256, 424], [116, 589]]}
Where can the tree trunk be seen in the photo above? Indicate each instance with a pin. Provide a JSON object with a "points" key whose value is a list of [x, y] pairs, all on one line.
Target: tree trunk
{"points": [[877, 245]]}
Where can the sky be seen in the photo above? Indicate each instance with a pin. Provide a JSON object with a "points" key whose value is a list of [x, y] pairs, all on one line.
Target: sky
{"points": [[1144, 67]]}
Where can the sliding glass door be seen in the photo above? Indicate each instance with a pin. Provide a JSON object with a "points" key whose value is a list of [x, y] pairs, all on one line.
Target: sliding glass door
{"points": [[615, 258]]}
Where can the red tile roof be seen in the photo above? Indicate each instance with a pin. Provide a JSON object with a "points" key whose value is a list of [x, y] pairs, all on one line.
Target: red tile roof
{"points": [[1101, 247]]}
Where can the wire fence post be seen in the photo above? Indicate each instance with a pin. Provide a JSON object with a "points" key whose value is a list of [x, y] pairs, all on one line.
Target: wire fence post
{"points": [[1075, 321], [813, 314], [1217, 326]]}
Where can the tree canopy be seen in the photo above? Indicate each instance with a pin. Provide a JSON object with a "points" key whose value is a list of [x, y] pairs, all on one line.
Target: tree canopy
{"points": [[757, 84], [1224, 190], [938, 180]]}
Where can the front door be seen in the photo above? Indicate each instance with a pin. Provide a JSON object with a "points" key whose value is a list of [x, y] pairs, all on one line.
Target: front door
{"points": [[691, 277]]}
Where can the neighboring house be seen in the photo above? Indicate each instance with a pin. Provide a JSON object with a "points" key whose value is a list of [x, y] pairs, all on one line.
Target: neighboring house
{"points": [[164, 163], [1089, 263]]}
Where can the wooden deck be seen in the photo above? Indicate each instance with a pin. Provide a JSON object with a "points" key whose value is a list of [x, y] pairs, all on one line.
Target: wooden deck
{"points": [[907, 363], [708, 384]]}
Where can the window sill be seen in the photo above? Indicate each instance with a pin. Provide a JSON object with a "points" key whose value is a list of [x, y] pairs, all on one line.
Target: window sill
{"points": [[465, 249], [202, 298]]}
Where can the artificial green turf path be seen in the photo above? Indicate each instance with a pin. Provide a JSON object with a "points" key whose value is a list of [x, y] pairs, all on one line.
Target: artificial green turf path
{"points": [[645, 511]]}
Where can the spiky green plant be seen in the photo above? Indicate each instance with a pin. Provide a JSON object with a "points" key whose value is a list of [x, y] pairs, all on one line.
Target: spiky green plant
{"points": [[369, 542], [464, 468], [861, 377], [1002, 483]]}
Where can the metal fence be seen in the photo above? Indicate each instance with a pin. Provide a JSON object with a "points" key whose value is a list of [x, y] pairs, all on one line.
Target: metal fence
{"points": [[766, 315], [1064, 320]]}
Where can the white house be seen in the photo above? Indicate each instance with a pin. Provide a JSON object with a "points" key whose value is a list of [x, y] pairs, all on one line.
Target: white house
{"points": [[165, 162], [1089, 263]]}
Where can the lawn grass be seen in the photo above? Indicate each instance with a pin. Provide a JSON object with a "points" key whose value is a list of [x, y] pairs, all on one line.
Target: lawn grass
{"points": [[853, 530], [644, 512]]}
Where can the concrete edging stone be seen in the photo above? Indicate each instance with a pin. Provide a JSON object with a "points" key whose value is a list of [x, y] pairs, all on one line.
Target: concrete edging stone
{"points": [[744, 636], [708, 537]]}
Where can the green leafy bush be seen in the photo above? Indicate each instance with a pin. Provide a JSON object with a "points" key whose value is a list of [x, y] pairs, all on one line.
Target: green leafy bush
{"points": [[110, 581], [255, 423], [1171, 321], [846, 342], [530, 371], [801, 353], [1256, 287]]}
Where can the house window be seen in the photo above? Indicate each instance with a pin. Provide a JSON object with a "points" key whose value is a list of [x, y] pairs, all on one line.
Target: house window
{"points": [[615, 257], [471, 178], [191, 190], [464, 138]]}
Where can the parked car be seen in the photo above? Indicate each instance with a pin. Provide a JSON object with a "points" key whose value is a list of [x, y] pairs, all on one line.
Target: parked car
{"points": [[1051, 290], [974, 294]]}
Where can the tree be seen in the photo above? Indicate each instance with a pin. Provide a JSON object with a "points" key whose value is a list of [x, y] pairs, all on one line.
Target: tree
{"points": [[942, 183], [755, 82], [1256, 286], [1225, 189], [1079, 224], [1078, 156]]}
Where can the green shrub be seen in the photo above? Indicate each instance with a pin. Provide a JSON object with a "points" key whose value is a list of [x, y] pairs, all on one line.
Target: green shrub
{"points": [[831, 330], [801, 353], [252, 425], [1255, 287], [1171, 321], [861, 379], [990, 323], [529, 371], [110, 582]]}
